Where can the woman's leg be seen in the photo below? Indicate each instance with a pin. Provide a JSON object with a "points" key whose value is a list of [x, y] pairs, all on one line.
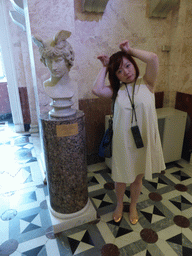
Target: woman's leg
{"points": [[120, 190], [135, 190]]}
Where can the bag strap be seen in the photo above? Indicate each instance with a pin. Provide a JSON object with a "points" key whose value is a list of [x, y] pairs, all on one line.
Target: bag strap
{"points": [[111, 116], [132, 102], [112, 107]]}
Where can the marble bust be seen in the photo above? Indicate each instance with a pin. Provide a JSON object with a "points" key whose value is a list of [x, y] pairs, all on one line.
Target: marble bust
{"points": [[58, 56]]}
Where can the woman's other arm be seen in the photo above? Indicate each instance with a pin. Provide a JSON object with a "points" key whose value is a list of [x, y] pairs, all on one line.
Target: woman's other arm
{"points": [[150, 58], [99, 87]]}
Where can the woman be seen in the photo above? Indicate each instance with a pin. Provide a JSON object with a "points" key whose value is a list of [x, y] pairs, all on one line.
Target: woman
{"points": [[134, 100]]}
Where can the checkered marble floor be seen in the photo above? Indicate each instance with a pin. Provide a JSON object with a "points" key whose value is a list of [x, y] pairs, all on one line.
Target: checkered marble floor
{"points": [[164, 207]]}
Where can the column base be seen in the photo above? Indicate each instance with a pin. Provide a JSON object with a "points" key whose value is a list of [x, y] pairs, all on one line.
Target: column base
{"points": [[64, 222], [34, 128]]}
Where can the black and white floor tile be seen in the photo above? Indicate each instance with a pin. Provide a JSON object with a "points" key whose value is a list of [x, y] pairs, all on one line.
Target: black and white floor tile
{"points": [[164, 207]]}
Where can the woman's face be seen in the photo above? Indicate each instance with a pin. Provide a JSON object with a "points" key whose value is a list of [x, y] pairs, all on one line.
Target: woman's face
{"points": [[57, 66], [126, 72]]}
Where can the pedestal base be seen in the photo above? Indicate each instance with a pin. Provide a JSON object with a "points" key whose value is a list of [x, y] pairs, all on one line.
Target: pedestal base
{"points": [[62, 112], [62, 107], [72, 220]]}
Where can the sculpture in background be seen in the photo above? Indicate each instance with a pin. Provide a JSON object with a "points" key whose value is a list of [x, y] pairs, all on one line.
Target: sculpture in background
{"points": [[57, 54]]}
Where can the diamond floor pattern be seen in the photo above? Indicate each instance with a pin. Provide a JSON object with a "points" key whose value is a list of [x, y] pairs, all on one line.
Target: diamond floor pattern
{"points": [[25, 223]]}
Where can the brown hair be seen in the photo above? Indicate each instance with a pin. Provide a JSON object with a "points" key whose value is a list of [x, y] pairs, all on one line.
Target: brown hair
{"points": [[114, 64]]}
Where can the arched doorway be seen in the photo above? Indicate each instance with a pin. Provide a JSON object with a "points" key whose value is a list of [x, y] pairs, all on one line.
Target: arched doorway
{"points": [[10, 71]]}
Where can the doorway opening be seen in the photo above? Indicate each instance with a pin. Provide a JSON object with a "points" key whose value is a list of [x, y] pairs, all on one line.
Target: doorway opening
{"points": [[5, 108]]}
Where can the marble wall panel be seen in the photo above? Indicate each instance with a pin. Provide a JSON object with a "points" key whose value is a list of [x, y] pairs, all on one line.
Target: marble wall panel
{"points": [[188, 21], [185, 80], [121, 20], [181, 54], [172, 98], [169, 99], [186, 56], [5, 107], [162, 83], [166, 99], [25, 105]]}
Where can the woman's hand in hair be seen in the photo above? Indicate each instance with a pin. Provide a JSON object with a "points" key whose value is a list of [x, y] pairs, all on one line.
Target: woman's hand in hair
{"points": [[125, 47], [104, 59]]}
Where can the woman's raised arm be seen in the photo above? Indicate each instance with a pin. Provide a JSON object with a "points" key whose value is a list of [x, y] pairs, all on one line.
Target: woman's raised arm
{"points": [[99, 87], [150, 58]]}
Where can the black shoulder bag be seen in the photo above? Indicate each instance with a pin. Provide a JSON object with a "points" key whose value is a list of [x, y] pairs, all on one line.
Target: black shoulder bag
{"points": [[105, 148]]}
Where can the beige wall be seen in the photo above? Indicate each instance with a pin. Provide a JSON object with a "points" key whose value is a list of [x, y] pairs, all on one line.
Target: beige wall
{"points": [[122, 20], [93, 34], [180, 62]]}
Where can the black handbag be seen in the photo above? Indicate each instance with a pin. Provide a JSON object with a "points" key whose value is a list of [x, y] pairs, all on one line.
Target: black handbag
{"points": [[105, 148]]}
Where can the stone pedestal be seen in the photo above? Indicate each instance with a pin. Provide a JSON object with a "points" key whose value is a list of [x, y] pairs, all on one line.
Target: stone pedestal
{"points": [[62, 108], [65, 159]]}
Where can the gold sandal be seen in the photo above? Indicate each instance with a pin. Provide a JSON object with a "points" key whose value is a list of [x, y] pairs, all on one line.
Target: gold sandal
{"points": [[117, 220], [134, 220]]}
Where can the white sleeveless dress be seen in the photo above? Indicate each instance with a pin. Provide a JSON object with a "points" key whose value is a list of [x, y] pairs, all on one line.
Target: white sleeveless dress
{"points": [[127, 160]]}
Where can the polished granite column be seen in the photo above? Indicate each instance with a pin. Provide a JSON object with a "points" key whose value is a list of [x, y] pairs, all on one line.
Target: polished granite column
{"points": [[65, 158]]}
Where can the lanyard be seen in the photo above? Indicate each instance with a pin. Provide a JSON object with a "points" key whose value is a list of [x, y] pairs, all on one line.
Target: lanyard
{"points": [[132, 102]]}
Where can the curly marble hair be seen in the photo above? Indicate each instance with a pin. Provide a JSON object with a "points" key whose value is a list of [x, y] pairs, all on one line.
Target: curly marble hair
{"points": [[56, 47]]}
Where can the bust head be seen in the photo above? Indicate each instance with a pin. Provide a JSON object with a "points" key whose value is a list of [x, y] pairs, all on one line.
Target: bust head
{"points": [[58, 56], [56, 51]]}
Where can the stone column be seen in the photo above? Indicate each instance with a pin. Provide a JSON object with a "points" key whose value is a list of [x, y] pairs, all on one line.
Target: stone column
{"points": [[65, 158]]}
